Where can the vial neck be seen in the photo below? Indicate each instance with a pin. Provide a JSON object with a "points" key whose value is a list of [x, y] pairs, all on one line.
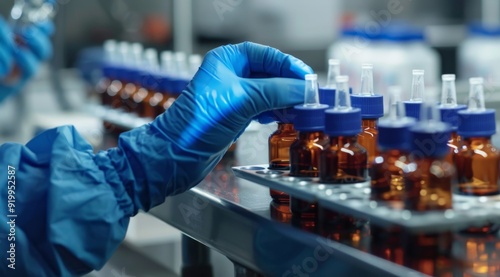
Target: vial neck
{"points": [[369, 123], [343, 140], [285, 126], [310, 135], [479, 139], [395, 152], [428, 159]]}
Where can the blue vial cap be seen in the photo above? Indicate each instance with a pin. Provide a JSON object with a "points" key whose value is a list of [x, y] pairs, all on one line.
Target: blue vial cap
{"points": [[450, 115], [430, 140], [476, 124], [395, 134], [371, 106], [150, 81], [166, 83], [481, 29], [343, 123], [120, 73], [109, 71], [413, 109], [310, 118], [327, 96]]}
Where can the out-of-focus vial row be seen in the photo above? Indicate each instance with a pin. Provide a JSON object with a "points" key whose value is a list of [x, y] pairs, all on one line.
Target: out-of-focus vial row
{"points": [[140, 81]]}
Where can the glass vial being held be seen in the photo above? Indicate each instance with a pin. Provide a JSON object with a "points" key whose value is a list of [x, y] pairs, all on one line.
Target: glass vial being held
{"points": [[311, 140], [478, 160], [344, 161], [372, 108], [387, 169]]}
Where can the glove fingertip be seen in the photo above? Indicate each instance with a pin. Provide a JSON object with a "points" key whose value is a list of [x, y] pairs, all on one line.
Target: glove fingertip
{"points": [[38, 42], [5, 62], [297, 68], [47, 27], [27, 61]]}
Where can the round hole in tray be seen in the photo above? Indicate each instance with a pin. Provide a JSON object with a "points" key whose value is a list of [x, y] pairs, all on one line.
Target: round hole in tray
{"points": [[449, 214], [343, 191], [252, 168], [303, 181], [459, 202], [269, 172], [406, 214], [289, 179]]}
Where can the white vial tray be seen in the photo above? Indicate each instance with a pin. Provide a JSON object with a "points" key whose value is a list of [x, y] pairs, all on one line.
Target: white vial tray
{"points": [[354, 200]]}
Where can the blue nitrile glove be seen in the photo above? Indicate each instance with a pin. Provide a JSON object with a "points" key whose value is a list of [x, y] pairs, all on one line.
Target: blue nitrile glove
{"points": [[37, 48], [72, 207]]}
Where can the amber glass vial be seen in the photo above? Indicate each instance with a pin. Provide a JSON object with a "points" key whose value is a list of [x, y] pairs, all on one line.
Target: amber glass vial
{"points": [[305, 152], [478, 164], [477, 161], [429, 177], [311, 140], [304, 162], [372, 108], [449, 113], [279, 144], [344, 161], [368, 138], [387, 170]]}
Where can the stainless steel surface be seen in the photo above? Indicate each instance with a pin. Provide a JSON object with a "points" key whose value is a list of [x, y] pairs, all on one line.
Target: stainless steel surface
{"points": [[233, 216], [355, 200]]}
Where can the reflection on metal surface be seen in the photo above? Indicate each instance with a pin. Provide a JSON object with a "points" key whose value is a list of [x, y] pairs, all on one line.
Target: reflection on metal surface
{"points": [[429, 253], [387, 244], [221, 181], [478, 254], [280, 212], [354, 200], [343, 228]]}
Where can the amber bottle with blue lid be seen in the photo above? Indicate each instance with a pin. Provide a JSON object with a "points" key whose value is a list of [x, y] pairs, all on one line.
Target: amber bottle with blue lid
{"points": [[310, 141], [344, 160]]}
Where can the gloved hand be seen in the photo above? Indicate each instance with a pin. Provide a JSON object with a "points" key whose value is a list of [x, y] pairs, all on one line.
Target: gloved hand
{"points": [[73, 207], [234, 84], [27, 57]]}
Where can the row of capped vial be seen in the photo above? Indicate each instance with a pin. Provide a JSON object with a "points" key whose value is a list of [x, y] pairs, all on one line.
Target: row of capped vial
{"points": [[134, 80], [431, 146]]}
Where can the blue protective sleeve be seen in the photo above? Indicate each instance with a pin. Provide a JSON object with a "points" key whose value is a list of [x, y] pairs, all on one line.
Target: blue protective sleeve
{"points": [[72, 207]]}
